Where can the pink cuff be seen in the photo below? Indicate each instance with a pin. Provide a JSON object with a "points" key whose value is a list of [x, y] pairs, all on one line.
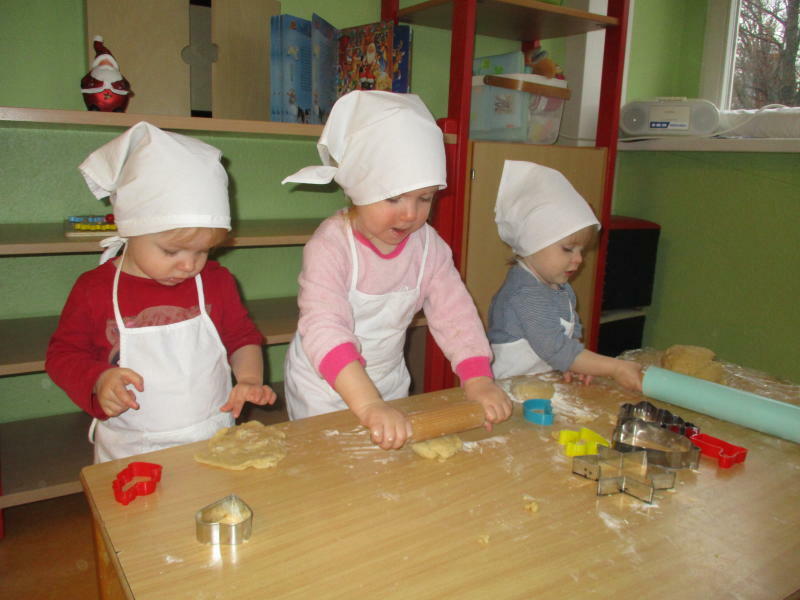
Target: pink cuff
{"points": [[337, 359], [477, 366]]}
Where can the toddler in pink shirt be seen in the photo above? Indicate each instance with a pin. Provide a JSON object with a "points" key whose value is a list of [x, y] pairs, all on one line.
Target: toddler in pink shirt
{"points": [[369, 269]]}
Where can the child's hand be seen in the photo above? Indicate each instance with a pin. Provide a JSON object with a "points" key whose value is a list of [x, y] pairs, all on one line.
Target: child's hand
{"points": [[581, 378], [628, 374], [247, 392], [495, 402], [389, 428], [111, 391]]}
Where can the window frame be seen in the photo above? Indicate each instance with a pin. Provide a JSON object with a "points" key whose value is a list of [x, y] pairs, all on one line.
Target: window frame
{"points": [[719, 48]]}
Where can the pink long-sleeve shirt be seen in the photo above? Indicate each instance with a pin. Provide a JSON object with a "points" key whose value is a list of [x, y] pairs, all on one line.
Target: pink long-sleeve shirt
{"points": [[326, 319]]}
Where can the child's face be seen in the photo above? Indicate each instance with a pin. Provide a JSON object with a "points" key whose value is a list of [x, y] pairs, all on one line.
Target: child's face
{"points": [[389, 222], [168, 257], [557, 263]]}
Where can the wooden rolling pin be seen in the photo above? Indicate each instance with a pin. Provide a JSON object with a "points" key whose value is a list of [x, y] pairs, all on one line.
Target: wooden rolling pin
{"points": [[453, 418]]}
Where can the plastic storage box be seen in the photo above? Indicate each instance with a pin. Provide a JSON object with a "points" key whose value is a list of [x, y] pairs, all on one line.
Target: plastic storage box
{"points": [[517, 108]]}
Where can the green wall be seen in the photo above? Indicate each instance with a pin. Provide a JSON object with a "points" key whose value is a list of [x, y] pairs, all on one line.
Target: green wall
{"points": [[666, 48], [728, 267]]}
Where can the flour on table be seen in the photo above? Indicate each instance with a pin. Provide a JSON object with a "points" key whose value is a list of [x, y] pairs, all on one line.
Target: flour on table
{"points": [[440, 448], [251, 444]]}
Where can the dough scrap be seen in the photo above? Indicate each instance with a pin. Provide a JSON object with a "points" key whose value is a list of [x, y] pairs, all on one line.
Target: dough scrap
{"points": [[695, 361], [440, 448], [532, 389], [251, 444]]}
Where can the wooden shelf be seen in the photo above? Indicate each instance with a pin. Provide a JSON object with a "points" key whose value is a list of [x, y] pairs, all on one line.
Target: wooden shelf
{"points": [[276, 318], [524, 20], [42, 458], [81, 119], [49, 238]]}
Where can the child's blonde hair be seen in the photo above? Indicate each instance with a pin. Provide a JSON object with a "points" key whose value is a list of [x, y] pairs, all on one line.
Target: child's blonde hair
{"points": [[216, 235], [585, 237]]}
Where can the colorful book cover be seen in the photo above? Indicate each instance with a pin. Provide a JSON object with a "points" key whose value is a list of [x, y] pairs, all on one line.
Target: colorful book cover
{"points": [[365, 58], [324, 56], [401, 59], [295, 59]]}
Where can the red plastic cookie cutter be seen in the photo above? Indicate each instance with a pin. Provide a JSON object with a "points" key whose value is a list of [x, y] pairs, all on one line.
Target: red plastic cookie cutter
{"points": [[726, 454], [141, 488]]}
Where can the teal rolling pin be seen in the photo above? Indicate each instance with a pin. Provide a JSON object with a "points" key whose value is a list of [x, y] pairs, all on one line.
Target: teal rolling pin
{"points": [[728, 404]]}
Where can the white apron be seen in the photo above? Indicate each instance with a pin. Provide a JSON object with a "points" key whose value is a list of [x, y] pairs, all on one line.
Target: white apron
{"points": [[186, 379], [517, 357], [381, 322]]}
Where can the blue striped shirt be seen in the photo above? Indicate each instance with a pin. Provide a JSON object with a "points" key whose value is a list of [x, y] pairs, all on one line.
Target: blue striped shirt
{"points": [[526, 308]]}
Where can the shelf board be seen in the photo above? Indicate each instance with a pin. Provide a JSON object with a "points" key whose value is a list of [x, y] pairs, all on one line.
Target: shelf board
{"points": [[49, 238], [276, 318], [42, 458], [81, 119], [523, 20]]}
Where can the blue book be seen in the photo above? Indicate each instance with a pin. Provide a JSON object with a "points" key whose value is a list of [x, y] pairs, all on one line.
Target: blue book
{"points": [[401, 59], [324, 57], [294, 56]]}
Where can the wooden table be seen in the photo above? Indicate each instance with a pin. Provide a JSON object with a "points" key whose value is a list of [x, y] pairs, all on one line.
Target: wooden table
{"points": [[339, 518]]}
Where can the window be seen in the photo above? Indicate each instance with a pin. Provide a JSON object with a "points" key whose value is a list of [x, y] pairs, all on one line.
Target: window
{"points": [[757, 43]]}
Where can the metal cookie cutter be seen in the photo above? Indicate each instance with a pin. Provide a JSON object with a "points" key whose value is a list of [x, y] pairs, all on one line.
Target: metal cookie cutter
{"points": [[624, 472], [663, 447], [538, 410], [660, 416], [140, 488], [726, 454], [226, 521]]}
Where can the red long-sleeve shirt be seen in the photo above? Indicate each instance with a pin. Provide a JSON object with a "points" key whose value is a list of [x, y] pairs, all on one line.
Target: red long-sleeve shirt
{"points": [[86, 342]]}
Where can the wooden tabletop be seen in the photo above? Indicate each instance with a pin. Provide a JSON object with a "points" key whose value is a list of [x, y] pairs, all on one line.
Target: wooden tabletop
{"points": [[340, 518]]}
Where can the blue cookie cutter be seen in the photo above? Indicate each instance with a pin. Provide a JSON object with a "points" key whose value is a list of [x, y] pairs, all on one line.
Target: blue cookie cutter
{"points": [[538, 410]]}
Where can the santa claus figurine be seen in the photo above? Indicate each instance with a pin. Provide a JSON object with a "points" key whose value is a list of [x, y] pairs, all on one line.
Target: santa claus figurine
{"points": [[104, 88]]}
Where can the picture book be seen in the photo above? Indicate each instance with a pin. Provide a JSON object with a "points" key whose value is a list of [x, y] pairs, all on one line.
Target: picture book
{"points": [[401, 59], [324, 56], [293, 60], [365, 58]]}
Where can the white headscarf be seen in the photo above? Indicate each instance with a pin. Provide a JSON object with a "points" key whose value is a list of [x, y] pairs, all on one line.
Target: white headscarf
{"points": [[537, 206], [157, 181], [378, 145]]}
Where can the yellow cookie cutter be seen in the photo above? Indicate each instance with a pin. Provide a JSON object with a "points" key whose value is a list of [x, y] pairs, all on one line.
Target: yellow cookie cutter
{"points": [[580, 443]]}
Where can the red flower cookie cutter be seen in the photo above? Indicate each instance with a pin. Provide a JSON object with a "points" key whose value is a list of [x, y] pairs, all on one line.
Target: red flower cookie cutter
{"points": [[141, 488], [726, 453]]}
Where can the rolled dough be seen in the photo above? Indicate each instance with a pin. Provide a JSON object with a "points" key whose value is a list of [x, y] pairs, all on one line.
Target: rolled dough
{"points": [[440, 448], [695, 361], [532, 389], [250, 444]]}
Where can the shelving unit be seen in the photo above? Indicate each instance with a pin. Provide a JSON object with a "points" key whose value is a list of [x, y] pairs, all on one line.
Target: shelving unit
{"points": [[525, 21]]}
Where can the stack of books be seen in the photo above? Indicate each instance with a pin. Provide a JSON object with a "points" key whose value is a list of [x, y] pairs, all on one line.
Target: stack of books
{"points": [[312, 64]]}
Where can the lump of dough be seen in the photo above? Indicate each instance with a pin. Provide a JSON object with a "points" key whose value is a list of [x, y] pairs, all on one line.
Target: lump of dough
{"points": [[695, 361], [251, 444], [532, 389], [440, 448]]}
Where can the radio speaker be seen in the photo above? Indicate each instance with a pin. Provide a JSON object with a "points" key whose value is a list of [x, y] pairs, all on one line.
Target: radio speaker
{"points": [[669, 116]]}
